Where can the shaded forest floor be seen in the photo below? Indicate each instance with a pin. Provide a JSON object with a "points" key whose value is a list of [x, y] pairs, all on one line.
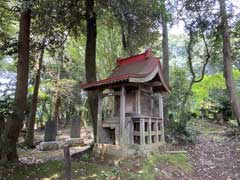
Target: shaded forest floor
{"points": [[215, 155]]}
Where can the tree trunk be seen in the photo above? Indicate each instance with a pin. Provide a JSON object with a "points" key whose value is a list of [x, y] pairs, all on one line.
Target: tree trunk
{"points": [[228, 62], [165, 52], [14, 124], [30, 128], [57, 102], [90, 60]]}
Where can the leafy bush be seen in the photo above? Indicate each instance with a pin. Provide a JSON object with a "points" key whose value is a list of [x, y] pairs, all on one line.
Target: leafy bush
{"points": [[85, 157], [217, 107], [178, 134]]}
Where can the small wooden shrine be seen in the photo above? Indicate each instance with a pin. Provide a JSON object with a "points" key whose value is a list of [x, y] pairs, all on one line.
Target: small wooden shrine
{"points": [[130, 107]]}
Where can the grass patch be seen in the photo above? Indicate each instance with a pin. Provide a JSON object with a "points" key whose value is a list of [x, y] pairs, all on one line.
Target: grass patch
{"points": [[45, 171], [148, 168], [54, 170], [206, 127], [179, 161]]}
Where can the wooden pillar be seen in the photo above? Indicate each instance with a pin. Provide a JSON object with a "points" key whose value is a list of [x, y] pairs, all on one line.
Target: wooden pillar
{"points": [[149, 131], [157, 132], [152, 106], [152, 102], [122, 115], [138, 98], [142, 131], [162, 131], [117, 136], [161, 117], [160, 106], [99, 120], [129, 132]]}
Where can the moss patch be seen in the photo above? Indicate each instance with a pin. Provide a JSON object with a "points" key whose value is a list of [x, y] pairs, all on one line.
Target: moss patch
{"points": [[178, 161], [148, 168]]}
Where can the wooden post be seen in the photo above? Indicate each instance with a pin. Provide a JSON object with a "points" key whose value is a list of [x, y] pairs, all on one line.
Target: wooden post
{"points": [[157, 132], [117, 136], [67, 163], [152, 102], [150, 131], [161, 117], [160, 106], [138, 100], [122, 115], [142, 131], [131, 132], [99, 120], [162, 131]]}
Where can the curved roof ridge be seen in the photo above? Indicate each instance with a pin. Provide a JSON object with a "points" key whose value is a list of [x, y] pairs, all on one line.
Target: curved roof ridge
{"points": [[134, 58], [138, 68]]}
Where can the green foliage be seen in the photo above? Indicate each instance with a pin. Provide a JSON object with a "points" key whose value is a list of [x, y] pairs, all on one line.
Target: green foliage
{"points": [[6, 105], [85, 157], [177, 134], [201, 91], [138, 23], [179, 86]]}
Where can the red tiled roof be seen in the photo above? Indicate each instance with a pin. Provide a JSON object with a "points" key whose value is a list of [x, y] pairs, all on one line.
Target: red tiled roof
{"points": [[138, 66]]}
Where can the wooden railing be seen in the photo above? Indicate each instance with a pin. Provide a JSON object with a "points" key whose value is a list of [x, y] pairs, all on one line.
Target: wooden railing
{"points": [[146, 130]]}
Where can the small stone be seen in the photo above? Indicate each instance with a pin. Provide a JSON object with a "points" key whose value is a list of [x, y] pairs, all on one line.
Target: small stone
{"points": [[156, 169]]}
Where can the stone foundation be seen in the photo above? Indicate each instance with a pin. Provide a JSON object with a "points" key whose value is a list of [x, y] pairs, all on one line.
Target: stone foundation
{"points": [[127, 150]]}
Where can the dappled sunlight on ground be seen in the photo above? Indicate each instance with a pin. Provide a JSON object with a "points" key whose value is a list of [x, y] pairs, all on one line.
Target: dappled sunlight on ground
{"points": [[215, 155]]}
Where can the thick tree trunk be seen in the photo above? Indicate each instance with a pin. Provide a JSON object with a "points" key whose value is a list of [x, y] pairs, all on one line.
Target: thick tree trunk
{"points": [[165, 52], [31, 121], [228, 62], [14, 124], [90, 60]]}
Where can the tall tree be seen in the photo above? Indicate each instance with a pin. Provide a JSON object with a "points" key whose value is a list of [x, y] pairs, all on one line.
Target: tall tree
{"points": [[165, 53], [29, 139], [90, 59], [14, 124], [227, 60]]}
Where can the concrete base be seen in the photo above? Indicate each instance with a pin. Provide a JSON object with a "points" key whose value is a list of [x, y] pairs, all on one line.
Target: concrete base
{"points": [[55, 145], [127, 150], [74, 142], [52, 145]]}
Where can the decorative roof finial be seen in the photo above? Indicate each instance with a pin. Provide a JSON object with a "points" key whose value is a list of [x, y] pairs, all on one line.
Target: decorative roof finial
{"points": [[148, 52]]}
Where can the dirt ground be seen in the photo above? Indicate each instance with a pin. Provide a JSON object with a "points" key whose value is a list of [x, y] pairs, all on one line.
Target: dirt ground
{"points": [[214, 156], [30, 156]]}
